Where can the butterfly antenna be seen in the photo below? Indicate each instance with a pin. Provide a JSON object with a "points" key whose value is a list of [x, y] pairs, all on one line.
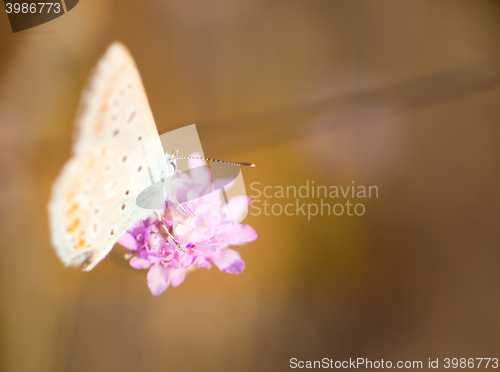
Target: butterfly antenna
{"points": [[168, 232], [239, 164]]}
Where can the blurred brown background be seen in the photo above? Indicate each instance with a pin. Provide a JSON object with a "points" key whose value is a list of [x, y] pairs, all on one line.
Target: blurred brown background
{"points": [[402, 95]]}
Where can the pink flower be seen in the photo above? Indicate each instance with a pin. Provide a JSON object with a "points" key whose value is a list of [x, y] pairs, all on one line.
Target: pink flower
{"points": [[202, 227]]}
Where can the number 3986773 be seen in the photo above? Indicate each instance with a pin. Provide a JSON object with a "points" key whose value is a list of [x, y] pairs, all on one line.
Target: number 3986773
{"points": [[33, 7]]}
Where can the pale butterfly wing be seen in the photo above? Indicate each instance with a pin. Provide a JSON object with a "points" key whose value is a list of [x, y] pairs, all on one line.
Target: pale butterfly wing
{"points": [[115, 109], [93, 202]]}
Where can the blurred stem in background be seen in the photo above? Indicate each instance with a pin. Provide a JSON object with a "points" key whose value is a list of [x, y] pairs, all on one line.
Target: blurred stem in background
{"points": [[288, 123]]}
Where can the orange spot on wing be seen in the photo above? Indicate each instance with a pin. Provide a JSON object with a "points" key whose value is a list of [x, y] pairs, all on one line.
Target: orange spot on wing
{"points": [[74, 225], [102, 109], [73, 209], [80, 242]]}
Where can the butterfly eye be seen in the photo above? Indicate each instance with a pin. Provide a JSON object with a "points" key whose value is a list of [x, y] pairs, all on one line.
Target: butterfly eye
{"points": [[139, 138], [115, 133], [127, 192], [124, 206], [124, 159], [112, 232], [139, 237], [140, 168]]}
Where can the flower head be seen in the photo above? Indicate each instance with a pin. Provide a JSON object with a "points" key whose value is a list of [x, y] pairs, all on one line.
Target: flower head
{"points": [[203, 228]]}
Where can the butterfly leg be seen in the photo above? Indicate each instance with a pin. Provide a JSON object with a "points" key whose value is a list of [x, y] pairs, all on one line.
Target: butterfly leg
{"points": [[183, 207], [168, 232]]}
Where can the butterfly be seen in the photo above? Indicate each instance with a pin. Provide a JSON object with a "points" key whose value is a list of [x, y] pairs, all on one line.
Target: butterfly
{"points": [[117, 152], [92, 203]]}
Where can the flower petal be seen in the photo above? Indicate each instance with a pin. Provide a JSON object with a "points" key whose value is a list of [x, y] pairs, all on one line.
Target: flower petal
{"points": [[139, 263], [230, 262], [158, 279], [237, 208], [128, 241], [208, 250], [186, 259], [201, 176], [177, 276], [194, 163], [199, 171], [239, 235], [204, 263]]}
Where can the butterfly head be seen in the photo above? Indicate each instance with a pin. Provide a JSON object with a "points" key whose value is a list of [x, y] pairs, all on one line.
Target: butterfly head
{"points": [[172, 160]]}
